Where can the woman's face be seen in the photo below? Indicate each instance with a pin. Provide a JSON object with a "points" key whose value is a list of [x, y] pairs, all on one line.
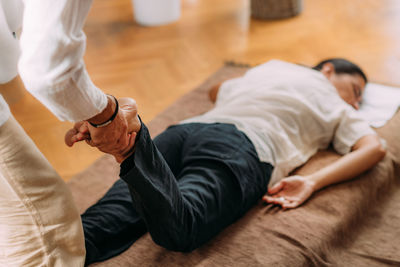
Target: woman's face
{"points": [[350, 87]]}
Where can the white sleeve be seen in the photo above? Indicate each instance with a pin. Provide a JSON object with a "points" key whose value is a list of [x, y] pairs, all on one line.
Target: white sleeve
{"points": [[51, 64], [351, 128], [9, 48]]}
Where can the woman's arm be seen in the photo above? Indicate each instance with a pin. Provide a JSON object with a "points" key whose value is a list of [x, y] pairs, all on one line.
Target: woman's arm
{"points": [[367, 152], [292, 191], [212, 94]]}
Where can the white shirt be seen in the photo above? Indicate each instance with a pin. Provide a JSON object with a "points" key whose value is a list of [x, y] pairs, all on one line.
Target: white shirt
{"points": [[288, 112], [10, 21], [52, 46]]}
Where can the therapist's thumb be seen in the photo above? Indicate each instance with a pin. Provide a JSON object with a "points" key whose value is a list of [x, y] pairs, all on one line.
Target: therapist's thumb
{"points": [[79, 132]]}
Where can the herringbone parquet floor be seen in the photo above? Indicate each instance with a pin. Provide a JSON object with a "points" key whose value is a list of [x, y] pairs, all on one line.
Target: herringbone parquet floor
{"points": [[157, 65]]}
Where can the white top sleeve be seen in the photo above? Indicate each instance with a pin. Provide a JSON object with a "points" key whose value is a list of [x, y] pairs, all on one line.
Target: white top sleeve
{"points": [[351, 128], [51, 64]]}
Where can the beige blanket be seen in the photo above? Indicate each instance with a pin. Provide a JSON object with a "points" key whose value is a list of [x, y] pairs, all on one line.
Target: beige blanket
{"points": [[356, 223]]}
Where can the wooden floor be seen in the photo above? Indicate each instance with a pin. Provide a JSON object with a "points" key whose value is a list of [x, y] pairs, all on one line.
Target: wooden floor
{"points": [[157, 65]]}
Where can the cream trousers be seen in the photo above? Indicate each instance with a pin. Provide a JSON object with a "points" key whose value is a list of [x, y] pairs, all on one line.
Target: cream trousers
{"points": [[39, 222]]}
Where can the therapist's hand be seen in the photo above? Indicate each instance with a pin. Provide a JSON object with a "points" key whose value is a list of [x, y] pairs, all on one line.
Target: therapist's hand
{"points": [[78, 133], [117, 138]]}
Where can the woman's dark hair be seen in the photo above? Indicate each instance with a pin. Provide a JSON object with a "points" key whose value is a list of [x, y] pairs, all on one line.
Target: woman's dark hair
{"points": [[342, 65]]}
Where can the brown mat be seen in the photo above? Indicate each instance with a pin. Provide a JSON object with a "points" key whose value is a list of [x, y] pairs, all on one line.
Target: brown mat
{"points": [[350, 224]]}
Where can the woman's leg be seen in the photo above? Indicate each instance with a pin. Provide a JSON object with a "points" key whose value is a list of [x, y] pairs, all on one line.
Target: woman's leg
{"points": [[184, 211], [112, 225]]}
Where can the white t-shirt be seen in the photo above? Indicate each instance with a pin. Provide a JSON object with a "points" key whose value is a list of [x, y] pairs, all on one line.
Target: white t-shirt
{"points": [[288, 112]]}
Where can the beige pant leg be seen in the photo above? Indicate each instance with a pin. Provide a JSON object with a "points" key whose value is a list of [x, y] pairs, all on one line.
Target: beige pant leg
{"points": [[39, 223]]}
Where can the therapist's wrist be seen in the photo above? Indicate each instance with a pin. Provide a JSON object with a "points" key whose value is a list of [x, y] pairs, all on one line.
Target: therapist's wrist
{"points": [[107, 112]]}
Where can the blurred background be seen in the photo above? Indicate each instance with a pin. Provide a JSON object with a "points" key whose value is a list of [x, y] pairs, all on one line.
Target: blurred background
{"points": [[157, 65]]}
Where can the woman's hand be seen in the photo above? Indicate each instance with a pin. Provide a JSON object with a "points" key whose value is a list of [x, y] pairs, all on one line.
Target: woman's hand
{"points": [[290, 192]]}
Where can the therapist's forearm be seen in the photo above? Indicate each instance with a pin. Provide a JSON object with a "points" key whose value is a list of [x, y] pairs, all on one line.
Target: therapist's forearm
{"points": [[350, 165]]}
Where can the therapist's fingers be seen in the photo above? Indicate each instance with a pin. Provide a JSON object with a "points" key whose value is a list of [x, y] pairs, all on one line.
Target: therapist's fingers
{"points": [[128, 151], [78, 133]]}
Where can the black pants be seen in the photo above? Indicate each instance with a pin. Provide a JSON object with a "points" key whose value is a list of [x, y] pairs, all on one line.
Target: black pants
{"points": [[184, 188]]}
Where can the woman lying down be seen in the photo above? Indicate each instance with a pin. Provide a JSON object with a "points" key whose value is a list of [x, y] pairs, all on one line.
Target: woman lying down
{"points": [[201, 175]]}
